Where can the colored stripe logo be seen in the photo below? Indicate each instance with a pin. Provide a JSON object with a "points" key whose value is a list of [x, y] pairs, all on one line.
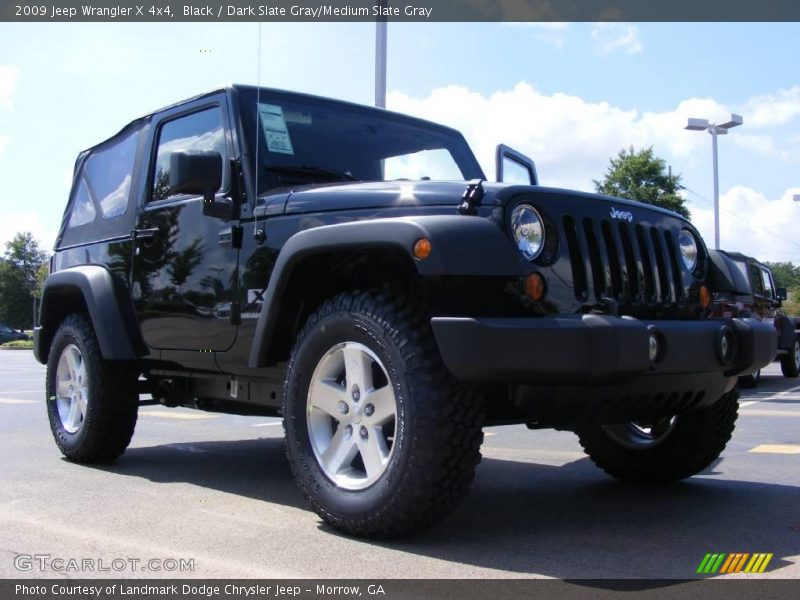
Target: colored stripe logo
{"points": [[737, 562]]}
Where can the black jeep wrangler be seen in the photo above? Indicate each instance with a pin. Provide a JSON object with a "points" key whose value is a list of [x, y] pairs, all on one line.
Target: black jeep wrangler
{"points": [[254, 251], [748, 290]]}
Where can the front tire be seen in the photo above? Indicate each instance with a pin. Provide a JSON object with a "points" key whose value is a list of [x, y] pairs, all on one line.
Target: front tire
{"points": [[790, 363], [381, 439], [91, 402], [670, 450]]}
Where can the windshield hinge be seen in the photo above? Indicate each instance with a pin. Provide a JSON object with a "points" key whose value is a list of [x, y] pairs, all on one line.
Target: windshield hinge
{"points": [[238, 189], [472, 197]]}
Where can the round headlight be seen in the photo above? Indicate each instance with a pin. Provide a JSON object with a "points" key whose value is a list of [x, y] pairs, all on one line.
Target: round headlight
{"points": [[688, 249], [528, 229]]}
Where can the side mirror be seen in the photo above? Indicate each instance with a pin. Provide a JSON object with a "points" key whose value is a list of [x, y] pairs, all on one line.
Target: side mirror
{"points": [[514, 167], [781, 294], [195, 173], [200, 173]]}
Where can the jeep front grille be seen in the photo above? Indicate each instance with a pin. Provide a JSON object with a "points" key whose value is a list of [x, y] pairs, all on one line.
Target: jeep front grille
{"points": [[631, 264]]}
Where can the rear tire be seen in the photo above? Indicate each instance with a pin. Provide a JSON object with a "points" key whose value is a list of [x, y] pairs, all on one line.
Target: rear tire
{"points": [[91, 402], [790, 363], [676, 449], [750, 381], [381, 439]]}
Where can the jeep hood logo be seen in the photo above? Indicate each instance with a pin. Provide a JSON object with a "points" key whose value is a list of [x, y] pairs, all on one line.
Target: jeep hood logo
{"points": [[622, 214]]}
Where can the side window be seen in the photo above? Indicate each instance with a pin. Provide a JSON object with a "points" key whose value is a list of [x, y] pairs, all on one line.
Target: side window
{"points": [[756, 281], [198, 131], [768, 288], [83, 211], [109, 172]]}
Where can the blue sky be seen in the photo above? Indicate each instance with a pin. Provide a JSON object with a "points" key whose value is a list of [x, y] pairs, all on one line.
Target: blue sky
{"points": [[570, 95]]}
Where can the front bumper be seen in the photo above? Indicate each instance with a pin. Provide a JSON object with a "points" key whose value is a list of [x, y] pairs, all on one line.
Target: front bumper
{"points": [[599, 359]]}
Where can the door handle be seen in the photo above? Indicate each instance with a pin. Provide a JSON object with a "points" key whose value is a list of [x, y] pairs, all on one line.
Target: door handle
{"points": [[144, 234]]}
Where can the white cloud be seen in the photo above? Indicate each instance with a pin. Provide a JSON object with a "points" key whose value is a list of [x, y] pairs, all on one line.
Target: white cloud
{"points": [[570, 139], [774, 109], [16, 221], [613, 37], [753, 224], [553, 32], [8, 84]]}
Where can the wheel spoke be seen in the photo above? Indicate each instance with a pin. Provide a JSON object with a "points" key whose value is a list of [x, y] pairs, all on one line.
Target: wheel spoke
{"points": [[73, 416], [358, 369], [72, 365], [340, 453], [83, 403], [384, 405], [373, 453], [326, 396], [62, 388]]}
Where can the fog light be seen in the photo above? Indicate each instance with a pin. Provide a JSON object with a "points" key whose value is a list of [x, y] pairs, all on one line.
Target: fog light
{"points": [[653, 347], [726, 345]]}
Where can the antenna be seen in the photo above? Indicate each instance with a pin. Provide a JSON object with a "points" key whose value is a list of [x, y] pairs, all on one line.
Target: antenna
{"points": [[258, 233]]}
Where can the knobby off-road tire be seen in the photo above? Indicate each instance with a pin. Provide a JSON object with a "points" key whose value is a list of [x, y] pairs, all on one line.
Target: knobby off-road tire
{"points": [[790, 363], [683, 447], [92, 402], [415, 427]]}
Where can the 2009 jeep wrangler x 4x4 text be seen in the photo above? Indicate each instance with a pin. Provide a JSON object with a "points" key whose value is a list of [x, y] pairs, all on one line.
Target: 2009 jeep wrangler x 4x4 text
{"points": [[254, 251]]}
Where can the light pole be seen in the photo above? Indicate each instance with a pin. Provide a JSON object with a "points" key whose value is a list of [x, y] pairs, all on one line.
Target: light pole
{"points": [[380, 58], [715, 130]]}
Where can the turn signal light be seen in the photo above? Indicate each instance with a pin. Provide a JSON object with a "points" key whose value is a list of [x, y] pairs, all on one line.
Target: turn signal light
{"points": [[705, 297], [422, 248], [534, 287]]}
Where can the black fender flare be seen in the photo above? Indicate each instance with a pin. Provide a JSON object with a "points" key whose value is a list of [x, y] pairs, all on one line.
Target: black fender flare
{"points": [[461, 246], [108, 302], [785, 327]]}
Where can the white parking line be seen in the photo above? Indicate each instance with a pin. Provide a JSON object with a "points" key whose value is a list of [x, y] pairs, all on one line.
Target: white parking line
{"points": [[776, 449], [267, 424], [16, 401]]}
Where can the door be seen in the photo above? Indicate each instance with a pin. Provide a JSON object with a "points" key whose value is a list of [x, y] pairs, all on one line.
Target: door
{"points": [[185, 273]]}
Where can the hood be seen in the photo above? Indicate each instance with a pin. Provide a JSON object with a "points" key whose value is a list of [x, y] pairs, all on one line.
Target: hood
{"points": [[397, 194], [377, 194]]}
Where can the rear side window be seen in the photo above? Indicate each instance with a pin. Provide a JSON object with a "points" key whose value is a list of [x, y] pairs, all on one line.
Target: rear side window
{"points": [[109, 173], [201, 131], [83, 211]]}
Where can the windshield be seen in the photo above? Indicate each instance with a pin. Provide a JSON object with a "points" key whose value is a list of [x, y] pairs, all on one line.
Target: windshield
{"points": [[308, 140]]}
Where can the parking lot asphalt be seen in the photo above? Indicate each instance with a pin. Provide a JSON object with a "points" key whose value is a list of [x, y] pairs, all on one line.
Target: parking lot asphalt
{"points": [[214, 492]]}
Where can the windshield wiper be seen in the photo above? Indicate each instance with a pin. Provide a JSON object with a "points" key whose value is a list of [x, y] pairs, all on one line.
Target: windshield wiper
{"points": [[311, 171]]}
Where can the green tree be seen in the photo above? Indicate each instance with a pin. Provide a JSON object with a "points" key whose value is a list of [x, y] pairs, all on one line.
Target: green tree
{"points": [[19, 275], [642, 176], [785, 274], [184, 262]]}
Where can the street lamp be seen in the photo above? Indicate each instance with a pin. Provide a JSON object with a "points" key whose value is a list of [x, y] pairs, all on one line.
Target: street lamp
{"points": [[380, 57], [715, 130]]}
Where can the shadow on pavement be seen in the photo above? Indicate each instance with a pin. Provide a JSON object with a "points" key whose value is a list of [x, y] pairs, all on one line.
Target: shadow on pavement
{"points": [[568, 521]]}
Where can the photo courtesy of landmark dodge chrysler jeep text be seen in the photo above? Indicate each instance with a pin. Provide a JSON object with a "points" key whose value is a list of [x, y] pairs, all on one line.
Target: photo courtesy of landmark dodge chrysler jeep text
{"points": [[254, 251]]}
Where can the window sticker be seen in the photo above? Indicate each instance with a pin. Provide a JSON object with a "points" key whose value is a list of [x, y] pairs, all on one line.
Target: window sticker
{"points": [[275, 130]]}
